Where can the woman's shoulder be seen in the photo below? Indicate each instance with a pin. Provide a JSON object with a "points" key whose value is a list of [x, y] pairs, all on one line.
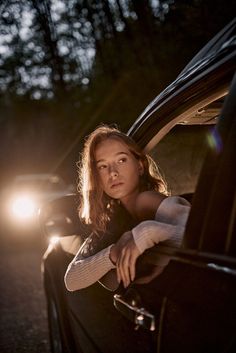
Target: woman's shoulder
{"points": [[147, 203]]}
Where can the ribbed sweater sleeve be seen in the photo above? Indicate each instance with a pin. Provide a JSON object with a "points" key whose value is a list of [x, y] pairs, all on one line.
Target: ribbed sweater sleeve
{"points": [[82, 273], [168, 227]]}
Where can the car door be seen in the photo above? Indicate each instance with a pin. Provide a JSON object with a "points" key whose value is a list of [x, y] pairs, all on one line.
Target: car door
{"points": [[193, 301]]}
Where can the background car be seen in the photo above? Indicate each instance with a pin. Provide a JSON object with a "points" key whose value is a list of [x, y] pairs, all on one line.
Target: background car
{"points": [[190, 129], [25, 194]]}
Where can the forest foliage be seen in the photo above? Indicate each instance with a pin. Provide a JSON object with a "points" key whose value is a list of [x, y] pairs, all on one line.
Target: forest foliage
{"points": [[68, 65]]}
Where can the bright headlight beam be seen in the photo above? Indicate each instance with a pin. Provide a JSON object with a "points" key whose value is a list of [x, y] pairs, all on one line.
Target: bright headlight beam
{"points": [[54, 239], [23, 207]]}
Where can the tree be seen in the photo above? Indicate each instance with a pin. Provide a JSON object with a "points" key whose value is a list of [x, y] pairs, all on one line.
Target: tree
{"points": [[66, 66]]}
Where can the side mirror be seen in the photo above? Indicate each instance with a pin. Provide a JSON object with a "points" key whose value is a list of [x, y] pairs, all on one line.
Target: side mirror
{"points": [[59, 225], [60, 218]]}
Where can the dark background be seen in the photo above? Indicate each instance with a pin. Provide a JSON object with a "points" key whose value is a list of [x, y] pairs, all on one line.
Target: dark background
{"points": [[66, 66]]}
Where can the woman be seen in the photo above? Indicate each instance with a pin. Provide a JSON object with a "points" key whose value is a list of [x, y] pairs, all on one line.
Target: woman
{"points": [[115, 177]]}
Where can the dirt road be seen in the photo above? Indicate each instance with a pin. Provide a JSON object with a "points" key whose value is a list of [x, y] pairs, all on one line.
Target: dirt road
{"points": [[23, 324]]}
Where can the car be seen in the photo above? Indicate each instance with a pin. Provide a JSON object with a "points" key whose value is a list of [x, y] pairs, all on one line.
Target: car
{"points": [[190, 129], [24, 195]]}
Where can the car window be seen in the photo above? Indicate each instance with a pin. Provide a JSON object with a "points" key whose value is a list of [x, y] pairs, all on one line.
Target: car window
{"points": [[180, 155], [211, 224]]}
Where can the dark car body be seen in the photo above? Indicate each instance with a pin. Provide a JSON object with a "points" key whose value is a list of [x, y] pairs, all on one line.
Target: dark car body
{"points": [[191, 306]]}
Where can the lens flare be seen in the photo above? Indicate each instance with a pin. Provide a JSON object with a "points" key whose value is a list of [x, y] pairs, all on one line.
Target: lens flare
{"points": [[214, 140]]}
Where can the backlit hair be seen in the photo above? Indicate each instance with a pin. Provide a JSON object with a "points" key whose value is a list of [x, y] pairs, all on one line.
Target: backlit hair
{"points": [[96, 207]]}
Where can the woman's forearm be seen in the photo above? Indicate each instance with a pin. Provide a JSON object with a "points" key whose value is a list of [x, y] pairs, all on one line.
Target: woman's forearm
{"points": [[82, 273], [168, 226]]}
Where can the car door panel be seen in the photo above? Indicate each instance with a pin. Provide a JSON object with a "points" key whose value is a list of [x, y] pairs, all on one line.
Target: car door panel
{"points": [[199, 313], [194, 307], [93, 308]]}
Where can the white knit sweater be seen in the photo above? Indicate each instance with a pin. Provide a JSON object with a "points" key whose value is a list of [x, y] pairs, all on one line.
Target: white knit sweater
{"points": [[168, 227]]}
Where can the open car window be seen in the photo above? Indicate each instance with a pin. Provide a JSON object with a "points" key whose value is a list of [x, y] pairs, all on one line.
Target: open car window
{"points": [[181, 152]]}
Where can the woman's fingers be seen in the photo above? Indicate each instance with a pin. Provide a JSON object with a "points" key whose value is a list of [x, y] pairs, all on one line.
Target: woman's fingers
{"points": [[118, 273], [127, 254], [123, 267], [132, 266], [133, 255], [126, 263]]}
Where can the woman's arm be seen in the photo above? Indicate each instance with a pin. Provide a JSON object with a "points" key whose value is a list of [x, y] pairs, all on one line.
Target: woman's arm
{"points": [[82, 272], [168, 227]]}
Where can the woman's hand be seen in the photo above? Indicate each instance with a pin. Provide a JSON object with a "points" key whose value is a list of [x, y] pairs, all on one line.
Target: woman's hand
{"points": [[124, 254]]}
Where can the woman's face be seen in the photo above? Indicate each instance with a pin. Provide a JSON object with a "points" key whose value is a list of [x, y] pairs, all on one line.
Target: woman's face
{"points": [[119, 171]]}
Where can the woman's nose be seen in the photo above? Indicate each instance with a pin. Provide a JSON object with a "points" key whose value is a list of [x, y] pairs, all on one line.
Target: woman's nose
{"points": [[113, 171]]}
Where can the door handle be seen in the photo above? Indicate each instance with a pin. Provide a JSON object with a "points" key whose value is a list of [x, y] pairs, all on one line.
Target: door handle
{"points": [[138, 315]]}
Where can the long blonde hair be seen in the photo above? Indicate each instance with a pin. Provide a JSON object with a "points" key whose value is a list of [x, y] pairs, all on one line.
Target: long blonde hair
{"points": [[96, 207]]}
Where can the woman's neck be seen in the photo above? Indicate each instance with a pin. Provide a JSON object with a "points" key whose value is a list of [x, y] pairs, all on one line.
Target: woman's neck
{"points": [[129, 205]]}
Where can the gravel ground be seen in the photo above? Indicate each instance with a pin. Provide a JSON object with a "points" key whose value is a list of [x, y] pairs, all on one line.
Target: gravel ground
{"points": [[23, 322]]}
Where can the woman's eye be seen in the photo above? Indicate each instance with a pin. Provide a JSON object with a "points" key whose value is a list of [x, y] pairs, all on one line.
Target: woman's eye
{"points": [[101, 167], [122, 160]]}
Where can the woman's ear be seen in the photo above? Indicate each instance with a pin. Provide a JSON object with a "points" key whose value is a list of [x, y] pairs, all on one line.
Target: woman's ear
{"points": [[141, 168]]}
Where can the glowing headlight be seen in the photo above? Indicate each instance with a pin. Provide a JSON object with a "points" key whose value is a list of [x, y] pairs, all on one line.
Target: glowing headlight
{"points": [[24, 207], [54, 239]]}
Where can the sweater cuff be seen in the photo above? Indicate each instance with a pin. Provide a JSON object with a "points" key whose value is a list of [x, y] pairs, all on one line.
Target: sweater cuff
{"points": [[104, 254]]}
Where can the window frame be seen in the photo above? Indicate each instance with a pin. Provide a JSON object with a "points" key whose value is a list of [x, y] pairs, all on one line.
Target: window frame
{"points": [[211, 178]]}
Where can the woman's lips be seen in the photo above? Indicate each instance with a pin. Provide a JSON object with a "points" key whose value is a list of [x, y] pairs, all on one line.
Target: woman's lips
{"points": [[115, 185]]}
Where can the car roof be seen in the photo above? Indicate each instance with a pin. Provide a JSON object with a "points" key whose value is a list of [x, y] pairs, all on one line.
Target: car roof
{"points": [[222, 39], [209, 72]]}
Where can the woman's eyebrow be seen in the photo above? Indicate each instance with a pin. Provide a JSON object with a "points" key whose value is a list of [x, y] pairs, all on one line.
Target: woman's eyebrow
{"points": [[117, 154]]}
